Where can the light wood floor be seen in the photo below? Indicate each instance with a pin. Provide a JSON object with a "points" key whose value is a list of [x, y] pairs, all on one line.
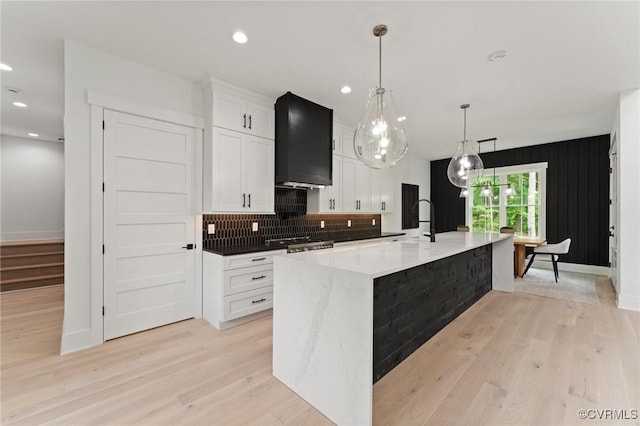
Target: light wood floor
{"points": [[511, 359]]}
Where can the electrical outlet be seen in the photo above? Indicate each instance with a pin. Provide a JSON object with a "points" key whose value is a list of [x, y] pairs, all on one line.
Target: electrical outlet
{"points": [[373, 221], [322, 224], [211, 228], [349, 223], [254, 226]]}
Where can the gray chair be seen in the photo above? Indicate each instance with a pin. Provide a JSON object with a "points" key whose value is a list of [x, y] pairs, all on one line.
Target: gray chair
{"points": [[550, 252], [507, 230], [463, 228]]}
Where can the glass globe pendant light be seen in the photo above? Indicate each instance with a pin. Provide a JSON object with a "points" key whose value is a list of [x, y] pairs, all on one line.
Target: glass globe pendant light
{"points": [[380, 140], [465, 165]]}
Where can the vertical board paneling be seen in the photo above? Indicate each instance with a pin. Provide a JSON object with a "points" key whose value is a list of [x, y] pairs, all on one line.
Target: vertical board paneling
{"points": [[577, 193]]}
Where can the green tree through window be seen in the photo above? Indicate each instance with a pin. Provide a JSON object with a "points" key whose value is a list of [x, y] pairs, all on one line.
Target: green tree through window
{"points": [[522, 211]]}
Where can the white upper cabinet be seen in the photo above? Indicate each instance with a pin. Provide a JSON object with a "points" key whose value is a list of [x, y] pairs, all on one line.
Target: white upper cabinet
{"points": [[337, 139], [355, 186], [329, 199], [240, 178], [242, 112], [381, 190], [239, 151], [347, 142]]}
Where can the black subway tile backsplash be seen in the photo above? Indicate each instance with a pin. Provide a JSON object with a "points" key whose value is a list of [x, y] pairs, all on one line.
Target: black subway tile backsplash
{"points": [[289, 221]]}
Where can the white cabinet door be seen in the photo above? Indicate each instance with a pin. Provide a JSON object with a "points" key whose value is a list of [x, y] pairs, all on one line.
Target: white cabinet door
{"points": [[349, 201], [362, 187], [337, 139], [229, 111], [259, 174], [347, 142], [375, 179], [227, 167], [386, 189], [260, 120], [336, 187]]}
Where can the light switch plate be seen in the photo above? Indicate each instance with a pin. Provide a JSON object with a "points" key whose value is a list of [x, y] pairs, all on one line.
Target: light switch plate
{"points": [[349, 223], [254, 226], [322, 224], [211, 228]]}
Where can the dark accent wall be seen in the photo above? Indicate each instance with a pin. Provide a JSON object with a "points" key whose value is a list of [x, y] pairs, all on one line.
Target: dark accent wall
{"points": [[289, 221], [577, 193], [411, 306]]}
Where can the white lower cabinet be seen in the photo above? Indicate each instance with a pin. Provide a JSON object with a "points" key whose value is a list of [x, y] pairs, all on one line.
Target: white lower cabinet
{"points": [[235, 287]]}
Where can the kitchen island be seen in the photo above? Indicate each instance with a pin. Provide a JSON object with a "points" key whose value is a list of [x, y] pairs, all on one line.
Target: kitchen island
{"points": [[344, 317]]}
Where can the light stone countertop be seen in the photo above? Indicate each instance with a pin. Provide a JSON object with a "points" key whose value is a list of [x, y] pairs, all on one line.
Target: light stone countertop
{"points": [[377, 259]]}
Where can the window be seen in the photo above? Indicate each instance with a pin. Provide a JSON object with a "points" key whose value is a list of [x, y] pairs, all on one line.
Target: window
{"points": [[489, 207]]}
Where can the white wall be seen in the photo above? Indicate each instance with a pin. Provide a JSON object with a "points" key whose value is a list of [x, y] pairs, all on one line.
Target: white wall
{"points": [[32, 189], [90, 69], [626, 126], [416, 171]]}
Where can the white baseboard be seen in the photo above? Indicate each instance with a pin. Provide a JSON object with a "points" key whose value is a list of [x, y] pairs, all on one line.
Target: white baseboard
{"points": [[35, 235], [630, 303], [573, 267]]}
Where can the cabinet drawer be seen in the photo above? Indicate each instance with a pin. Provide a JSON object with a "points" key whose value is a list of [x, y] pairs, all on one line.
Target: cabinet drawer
{"points": [[248, 302], [253, 259], [244, 279]]}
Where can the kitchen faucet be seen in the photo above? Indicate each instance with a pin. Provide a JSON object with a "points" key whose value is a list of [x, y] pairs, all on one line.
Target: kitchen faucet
{"points": [[432, 218]]}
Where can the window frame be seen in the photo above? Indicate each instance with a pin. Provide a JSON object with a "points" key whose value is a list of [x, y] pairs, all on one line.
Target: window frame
{"points": [[501, 173]]}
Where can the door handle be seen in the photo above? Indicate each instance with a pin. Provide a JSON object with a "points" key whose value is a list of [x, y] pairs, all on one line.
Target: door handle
{"points": [[259, 278], [244, 200], [259, 300], [244, 120], [249, 197], [249, 121], [258, 259], [189, 246]]}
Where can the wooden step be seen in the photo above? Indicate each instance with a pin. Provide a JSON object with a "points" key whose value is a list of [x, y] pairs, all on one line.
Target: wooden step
{"points": [[22, 283], [31, 258], [30, 271], [30, 246]]}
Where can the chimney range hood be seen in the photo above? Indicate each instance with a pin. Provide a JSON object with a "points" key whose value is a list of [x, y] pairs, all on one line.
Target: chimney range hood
{"points": [[304, 134]]}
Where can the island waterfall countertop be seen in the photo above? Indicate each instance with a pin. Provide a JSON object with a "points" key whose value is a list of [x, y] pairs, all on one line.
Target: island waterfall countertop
{"points": [[345, 317], [380, 258]]}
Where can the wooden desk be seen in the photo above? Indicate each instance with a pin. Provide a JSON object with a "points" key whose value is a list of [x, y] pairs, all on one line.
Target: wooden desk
{"points": [[520, 245]]}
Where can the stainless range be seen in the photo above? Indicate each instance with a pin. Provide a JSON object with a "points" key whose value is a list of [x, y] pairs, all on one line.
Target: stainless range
{"points": [[298, 244]]}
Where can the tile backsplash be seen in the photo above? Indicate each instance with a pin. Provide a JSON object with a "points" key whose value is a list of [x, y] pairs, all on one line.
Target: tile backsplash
{"points": [[289, 221]]}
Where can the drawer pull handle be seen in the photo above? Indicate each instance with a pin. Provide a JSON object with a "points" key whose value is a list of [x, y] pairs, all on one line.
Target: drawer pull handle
{"points": [[259, 300], [259, 278], [258, 259]]}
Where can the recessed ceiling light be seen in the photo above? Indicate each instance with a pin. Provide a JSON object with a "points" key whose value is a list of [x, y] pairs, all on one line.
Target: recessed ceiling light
{"points": [[240, 37], [5, 67], [20, 104], [401, 118], [497, 55], [345, 89], [33, 135]]}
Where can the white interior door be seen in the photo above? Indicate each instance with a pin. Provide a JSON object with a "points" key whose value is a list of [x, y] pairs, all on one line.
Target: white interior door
{"points": [[148, 223]]}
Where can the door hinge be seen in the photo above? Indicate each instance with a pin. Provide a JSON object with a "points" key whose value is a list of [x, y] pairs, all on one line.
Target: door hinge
{"points": [[103, 249], [102, 124], [103, 311]]}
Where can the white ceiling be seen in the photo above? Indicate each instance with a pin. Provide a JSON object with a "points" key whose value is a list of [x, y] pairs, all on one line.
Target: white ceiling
{"points": [[566, 62]]}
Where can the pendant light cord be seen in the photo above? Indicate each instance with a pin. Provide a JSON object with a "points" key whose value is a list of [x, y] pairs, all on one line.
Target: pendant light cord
{"points": [[380, 62], [465, 125]]}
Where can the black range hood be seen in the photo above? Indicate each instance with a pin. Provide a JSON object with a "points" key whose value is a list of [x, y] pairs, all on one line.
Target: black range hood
{"points": [[304, 130]]}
